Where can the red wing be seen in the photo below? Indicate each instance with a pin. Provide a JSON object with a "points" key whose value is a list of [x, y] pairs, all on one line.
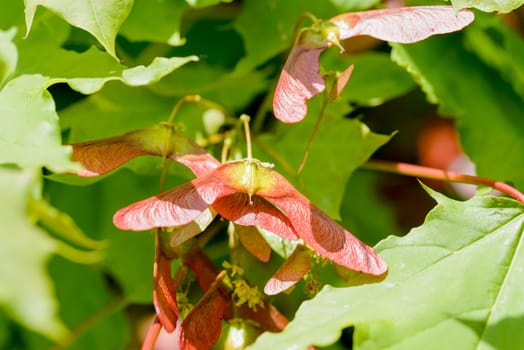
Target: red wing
{"points": [[292, 271], [328, 238], [299, 81], [259, 212], [403, 24], [102, 156], [176, 207]]}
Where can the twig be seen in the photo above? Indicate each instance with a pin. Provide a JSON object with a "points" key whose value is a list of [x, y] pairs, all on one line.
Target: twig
{"points": [[152, 335], [443, 175]]}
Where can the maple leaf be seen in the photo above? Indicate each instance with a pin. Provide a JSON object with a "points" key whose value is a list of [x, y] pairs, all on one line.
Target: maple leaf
{"points": [[300, 79]]}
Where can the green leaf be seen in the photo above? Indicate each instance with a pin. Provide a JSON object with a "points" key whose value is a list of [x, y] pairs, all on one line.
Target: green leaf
{"points": [[101, 18], [87, 72], [160, 67], [12, 14], [29, 135], [498, 47], [339, 147], [156, 21], [111, 330], [349, 144], [26, 292], [453, 283], [489, 5], [362, 197], [8, 54], [486, 108]]}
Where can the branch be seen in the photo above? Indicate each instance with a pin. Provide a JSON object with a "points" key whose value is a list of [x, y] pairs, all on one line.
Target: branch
{"points": [[152, 335], [443, 175]]}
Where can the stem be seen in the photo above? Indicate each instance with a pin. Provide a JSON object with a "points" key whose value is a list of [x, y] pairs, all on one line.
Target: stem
{"points": [[152, 335], [176, 108], [225, 150], [116, 304], [301, 19], [212, 139], [154, 330], [245, 121], [443, 175], [198, 100], [251, 186], [313, 133], [233, 244]]}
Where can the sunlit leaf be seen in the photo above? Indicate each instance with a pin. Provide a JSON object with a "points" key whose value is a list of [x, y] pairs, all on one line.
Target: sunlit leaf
{"points": [[101, 18], [88, 71], [160, 67], [30, 136], [454, 282], [26, 291]]}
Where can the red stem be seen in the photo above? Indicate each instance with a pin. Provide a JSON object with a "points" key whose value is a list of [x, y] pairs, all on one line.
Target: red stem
{"points": [[443, 175], [152, 335]]}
